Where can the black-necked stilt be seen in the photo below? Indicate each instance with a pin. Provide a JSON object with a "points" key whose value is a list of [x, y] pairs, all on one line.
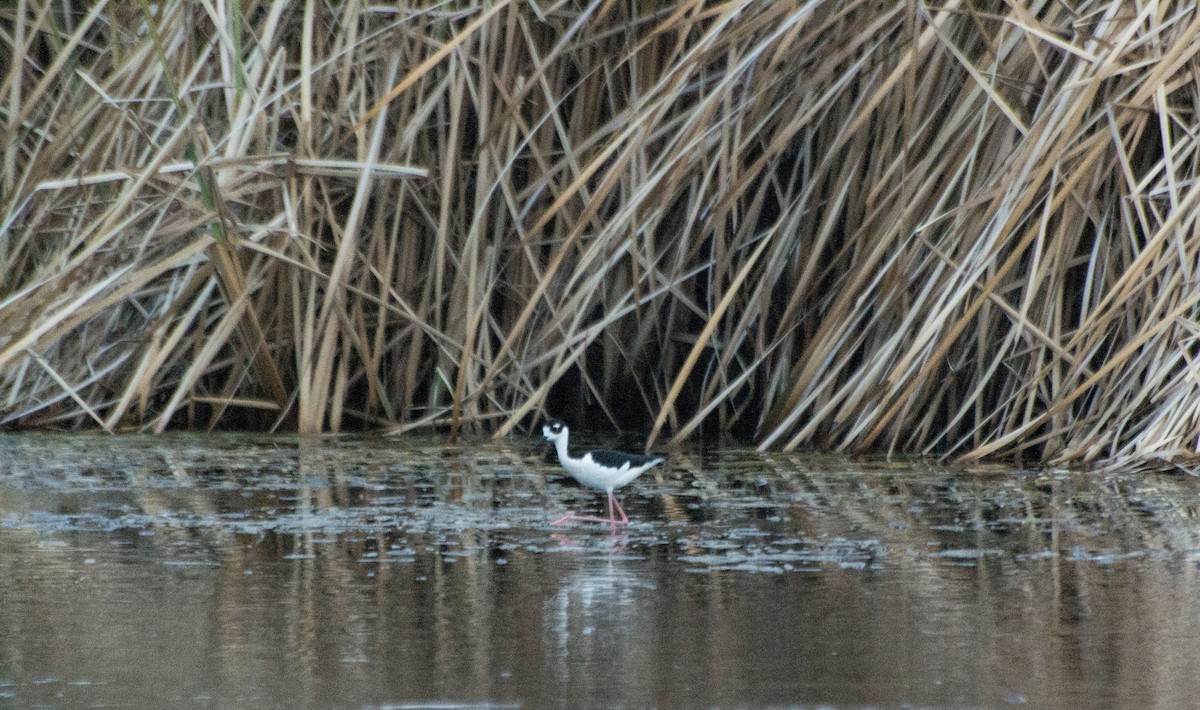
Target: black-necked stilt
{"points": [[606, 470]]}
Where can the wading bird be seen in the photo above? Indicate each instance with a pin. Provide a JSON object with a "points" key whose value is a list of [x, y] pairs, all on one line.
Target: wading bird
{"points": [[606, 470]]}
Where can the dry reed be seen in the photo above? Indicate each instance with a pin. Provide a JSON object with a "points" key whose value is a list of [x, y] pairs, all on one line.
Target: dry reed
{"points": [[963, 229]]}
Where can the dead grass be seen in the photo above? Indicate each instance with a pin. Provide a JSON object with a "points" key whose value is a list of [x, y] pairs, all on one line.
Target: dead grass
{"points": [[963, 229]]}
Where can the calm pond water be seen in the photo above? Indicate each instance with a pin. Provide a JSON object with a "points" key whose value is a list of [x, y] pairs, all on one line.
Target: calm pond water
{"points": [[215, 571]]}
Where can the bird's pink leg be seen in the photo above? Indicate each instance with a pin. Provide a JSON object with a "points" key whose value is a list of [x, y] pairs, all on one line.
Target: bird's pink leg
{"points": [[580, 518], [611, 519], [612, 500]]}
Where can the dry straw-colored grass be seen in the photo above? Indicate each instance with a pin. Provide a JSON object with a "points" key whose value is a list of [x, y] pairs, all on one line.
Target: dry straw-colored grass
{"points": [[964, 228]]}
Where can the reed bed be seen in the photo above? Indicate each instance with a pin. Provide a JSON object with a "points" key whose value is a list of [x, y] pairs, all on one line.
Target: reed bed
{"points": [[965, 229]]}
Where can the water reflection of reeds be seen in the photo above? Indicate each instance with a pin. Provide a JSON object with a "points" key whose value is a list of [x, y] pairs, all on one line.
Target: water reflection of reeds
{"points": [[374, 570]]}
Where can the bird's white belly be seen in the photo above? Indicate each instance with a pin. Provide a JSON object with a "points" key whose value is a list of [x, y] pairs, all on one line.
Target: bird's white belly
{"points": [[589, 473]]}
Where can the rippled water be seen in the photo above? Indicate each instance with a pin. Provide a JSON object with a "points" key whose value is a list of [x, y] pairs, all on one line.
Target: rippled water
{"points": [[225, 571]]}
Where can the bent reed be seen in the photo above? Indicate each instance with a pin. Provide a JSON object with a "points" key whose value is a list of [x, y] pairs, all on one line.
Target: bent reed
{"points": [[964, 229]]}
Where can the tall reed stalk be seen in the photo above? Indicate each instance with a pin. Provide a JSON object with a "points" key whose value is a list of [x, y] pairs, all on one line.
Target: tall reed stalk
{"points": [[965, 228]]}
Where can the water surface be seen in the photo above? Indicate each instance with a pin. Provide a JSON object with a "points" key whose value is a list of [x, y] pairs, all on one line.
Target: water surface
{"points": [[219, 571]]}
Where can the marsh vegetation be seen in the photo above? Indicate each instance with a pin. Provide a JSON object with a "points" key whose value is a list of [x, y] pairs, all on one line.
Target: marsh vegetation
{"points": [[957, 228]]}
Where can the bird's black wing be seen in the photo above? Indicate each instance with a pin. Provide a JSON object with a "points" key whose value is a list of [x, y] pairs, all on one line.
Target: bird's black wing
{"points": [[617, 459]]}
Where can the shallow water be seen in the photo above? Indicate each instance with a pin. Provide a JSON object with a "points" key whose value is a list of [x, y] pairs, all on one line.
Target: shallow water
{"points": [[214, 571]]}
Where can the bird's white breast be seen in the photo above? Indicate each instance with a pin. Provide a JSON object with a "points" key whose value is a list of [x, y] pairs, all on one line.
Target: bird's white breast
{"points": [[589, 473]]}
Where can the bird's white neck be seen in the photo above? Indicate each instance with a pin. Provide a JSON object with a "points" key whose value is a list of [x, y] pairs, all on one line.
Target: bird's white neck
{"points": [[560, 444]]}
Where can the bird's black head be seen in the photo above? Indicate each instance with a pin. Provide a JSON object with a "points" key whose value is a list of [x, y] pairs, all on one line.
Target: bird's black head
{"points": [[554, 429]]}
